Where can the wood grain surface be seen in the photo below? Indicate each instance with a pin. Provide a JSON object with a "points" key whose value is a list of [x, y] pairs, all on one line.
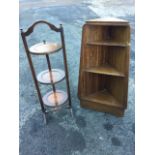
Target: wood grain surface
{"points": [[104, 65]]}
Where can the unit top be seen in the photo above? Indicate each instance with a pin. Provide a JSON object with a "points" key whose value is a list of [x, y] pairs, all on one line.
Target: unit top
{"points": [[108, 21]]}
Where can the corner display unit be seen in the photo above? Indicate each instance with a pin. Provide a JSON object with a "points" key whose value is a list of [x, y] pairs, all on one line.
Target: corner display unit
{"points": [[104, 65], [55, 98]]}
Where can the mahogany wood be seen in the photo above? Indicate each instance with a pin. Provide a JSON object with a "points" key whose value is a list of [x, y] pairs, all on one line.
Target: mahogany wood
{"points": [[46, 48]]}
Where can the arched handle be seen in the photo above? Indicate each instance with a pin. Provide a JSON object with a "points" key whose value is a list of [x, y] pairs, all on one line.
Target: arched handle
{"points": [[31, 28]]}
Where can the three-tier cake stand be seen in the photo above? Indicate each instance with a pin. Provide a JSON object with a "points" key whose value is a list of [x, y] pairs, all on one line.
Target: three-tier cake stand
{"points": [[55, 98]]}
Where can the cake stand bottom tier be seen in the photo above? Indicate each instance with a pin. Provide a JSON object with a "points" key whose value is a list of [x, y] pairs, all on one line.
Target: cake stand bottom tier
{"points": [[52, 99]]}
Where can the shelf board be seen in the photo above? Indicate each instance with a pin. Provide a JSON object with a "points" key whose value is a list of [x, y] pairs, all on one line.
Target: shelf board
{"points": [[105, 69], [108, 21], [108, 43], [103, 97]]}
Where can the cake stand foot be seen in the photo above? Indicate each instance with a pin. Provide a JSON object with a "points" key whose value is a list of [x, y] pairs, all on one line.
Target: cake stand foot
{"points": [[45, 118], [71, 112]]}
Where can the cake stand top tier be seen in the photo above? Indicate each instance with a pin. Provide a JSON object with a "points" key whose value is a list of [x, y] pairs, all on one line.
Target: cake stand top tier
{"points": [[45, 48]]}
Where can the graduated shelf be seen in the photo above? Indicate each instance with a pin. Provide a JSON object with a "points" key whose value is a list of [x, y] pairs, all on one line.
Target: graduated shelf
{"points": [[105, 69], [108, 43], [103, 98]]}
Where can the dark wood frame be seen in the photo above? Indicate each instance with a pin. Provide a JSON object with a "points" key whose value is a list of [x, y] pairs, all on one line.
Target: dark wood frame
{"points": [[61, 31]]}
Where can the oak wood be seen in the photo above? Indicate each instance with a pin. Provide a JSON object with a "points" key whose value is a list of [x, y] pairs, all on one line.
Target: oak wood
{"points": [[105, 69], [108, 34], [99, 107], [108, 43], [108, 21], [104, 98], [104, 65]]}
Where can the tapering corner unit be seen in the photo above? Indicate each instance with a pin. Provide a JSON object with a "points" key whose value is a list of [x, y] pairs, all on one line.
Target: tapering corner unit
{"points": [[104, 65], [54, 98]]}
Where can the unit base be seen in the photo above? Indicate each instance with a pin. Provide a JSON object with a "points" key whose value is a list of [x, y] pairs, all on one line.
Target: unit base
{"points": [[102, 108]]}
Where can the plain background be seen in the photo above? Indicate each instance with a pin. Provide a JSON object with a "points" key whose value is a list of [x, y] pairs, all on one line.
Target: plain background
{"points": [[145, 77]]}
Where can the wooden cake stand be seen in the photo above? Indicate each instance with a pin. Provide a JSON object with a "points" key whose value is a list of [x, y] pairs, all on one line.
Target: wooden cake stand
{"points": [[54, 98]]}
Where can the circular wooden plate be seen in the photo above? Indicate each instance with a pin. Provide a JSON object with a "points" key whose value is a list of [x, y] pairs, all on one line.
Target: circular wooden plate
{"points": [[50, 100], [57, 74], [45, 48]]}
